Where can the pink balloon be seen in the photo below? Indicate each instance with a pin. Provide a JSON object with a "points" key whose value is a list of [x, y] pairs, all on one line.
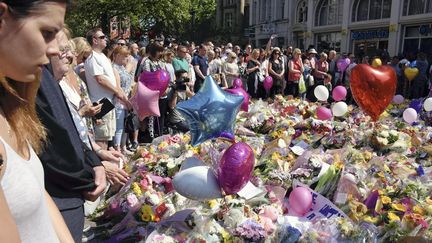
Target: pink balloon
{"points": [[158, 80], [300, 201], [240, 91], [237, 83], [339, 93], [145, 102], [268, 83], [235, 167], [324, 113]]}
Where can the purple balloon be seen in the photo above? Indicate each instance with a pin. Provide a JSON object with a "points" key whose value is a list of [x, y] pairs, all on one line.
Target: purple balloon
{"points": [[240, 91], [237, 83], [158, 80], [398, 99], [235, 167], [342, 64], [417, 105]]}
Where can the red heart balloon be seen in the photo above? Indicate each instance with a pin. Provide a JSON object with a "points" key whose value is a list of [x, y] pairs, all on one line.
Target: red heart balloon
{"points": [[373, 88]]}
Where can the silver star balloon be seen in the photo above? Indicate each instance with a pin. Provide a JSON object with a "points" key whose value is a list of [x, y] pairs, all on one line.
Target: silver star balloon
{"points": [[211, 113]]}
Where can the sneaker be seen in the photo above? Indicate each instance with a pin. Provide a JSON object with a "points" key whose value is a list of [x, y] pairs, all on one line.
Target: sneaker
{"points": [[133, 146], [87, 237]]}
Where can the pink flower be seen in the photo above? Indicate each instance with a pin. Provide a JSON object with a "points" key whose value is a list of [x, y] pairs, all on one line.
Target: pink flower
{"points": [[132, 200]]}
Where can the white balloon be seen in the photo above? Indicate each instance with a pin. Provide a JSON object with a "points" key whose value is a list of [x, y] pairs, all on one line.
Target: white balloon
{"points": [[410, 115], [428, 104], [339, 109], [197, 183], [321, 93], [191, 162]]}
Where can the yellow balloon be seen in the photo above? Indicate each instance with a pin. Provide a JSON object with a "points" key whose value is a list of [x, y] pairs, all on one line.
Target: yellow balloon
{"points": [[376, 62], [411, 73]]}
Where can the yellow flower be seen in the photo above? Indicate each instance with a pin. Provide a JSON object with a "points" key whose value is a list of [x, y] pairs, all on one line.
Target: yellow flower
{"points": [[151, 150], [419, 210], [393, 217], [429, 209], [196, 150], [136, 189], [429, 201], [147, 213], [291, 123], [225, 235], [367, 155], [369, 219], [212, 203], [358, 209], [385, 200], [276, 156], [386, 168], [399, 207]]}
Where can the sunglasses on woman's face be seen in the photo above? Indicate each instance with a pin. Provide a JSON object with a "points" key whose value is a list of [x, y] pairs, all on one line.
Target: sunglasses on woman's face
{"points": [[101, 37]]}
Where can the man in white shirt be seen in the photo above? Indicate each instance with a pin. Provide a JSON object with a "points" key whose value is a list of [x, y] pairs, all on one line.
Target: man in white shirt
{"points": [[102, 83]]}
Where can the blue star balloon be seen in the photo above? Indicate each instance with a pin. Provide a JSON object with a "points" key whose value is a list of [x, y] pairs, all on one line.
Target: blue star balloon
{"points": [[211, 113]]}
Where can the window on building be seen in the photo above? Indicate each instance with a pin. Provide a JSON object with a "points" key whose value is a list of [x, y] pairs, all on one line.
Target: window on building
{"points": [[370, 9], [263, 11], [329, 12], [328, 41], [254, 12], [229, 2], [281, 9], [418, 38], [228, 20], [413, 7], [302, 10], [269, 9]]}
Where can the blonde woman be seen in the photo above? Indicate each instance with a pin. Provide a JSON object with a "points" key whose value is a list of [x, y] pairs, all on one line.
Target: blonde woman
{"points": [[231, 69], [82, 51], [296, 69]]}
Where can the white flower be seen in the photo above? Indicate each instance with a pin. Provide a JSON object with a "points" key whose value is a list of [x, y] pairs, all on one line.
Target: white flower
{"points": [[394, 133], [384, 134], [382, 141]]}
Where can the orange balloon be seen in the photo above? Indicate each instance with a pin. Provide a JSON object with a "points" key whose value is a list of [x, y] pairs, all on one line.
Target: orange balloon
{"points": [[373, 88]]}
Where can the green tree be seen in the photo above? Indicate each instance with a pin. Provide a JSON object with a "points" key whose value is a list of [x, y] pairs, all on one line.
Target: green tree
{"points": [[170, 17]]}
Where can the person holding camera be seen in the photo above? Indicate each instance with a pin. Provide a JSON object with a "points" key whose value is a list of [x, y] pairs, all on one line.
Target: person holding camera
{"points": [[180, 91]]}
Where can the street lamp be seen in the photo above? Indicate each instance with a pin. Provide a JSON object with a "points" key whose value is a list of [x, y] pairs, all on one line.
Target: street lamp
{"points": [[192, 13]]}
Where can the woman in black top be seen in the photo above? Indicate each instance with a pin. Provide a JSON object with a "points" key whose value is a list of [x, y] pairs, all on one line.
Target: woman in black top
{"points": [[276, 71], [255, 78]]}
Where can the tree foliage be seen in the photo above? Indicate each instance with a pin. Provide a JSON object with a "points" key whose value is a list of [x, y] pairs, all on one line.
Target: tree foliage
{"points": [[161, 16]]}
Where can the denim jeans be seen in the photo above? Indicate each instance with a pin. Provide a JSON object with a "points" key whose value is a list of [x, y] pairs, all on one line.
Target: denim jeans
{"points": [[120, 121]]}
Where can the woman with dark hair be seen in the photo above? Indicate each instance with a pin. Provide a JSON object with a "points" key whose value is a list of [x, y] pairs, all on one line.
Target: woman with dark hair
{"points": [[276, 71], [152, 64], [28, 32]]}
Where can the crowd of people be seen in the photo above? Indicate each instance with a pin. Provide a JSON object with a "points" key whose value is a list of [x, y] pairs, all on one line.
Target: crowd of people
{"points": [[62, 146]]}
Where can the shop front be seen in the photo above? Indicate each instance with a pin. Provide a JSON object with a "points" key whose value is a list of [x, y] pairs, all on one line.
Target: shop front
{"points": [[369, 42]]}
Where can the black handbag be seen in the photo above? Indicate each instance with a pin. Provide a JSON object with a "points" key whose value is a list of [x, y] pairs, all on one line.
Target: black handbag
{"points": [[131, 123]]}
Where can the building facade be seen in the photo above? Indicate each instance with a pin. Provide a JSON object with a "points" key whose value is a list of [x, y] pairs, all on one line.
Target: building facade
{"points": [[364, 27], [233, 17]]}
